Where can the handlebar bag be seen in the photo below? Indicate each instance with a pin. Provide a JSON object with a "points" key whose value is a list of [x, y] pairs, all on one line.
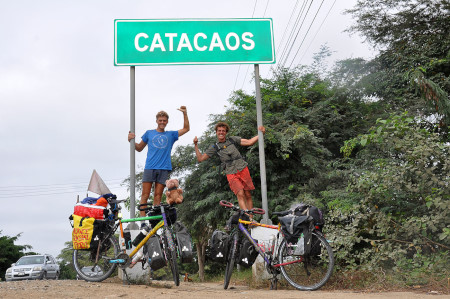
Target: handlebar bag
{"points": [[171, 215], [218, 246]]}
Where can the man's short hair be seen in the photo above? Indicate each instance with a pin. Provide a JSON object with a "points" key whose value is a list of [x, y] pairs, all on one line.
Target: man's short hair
{"points": [[162, 114], [222, 124]]}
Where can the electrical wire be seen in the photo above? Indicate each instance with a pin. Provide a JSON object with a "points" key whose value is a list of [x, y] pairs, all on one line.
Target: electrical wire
{"points": [[296, 36], [248, 66], [237, 75], [288, 42], [315, 35], [306, 34], [52, 189]]}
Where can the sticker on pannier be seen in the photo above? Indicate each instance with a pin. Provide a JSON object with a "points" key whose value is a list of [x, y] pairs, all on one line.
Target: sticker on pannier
{"points": [[247, 253], [184, 242], [155, 253], [218, 246], [86, 232]]}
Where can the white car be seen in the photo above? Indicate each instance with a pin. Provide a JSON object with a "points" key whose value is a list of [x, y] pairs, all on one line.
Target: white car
{"points": [[33, 267]]}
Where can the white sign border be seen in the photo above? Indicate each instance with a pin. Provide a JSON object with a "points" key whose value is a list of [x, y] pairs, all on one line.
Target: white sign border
{"points": [[193, 63]]}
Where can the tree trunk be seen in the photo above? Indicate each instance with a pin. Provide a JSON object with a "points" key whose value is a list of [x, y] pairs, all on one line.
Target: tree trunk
{"points": [[201, 260]]}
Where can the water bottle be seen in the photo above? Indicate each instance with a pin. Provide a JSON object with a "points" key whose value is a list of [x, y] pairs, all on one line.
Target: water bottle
{"points": [[144, 231], [137, 258], [300, 250]]}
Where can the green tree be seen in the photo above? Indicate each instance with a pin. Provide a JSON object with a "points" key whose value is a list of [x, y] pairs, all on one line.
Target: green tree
{"points": [[307, 122], [412, 70], [67, 270], [402, 170], [10, 252]]}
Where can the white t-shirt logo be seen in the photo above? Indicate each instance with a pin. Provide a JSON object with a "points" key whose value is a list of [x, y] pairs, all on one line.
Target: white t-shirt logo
{"points": [[160, 141]]}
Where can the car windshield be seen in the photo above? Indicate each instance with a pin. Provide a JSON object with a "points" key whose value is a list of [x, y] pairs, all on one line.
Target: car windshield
{"points": [[30, 260]]}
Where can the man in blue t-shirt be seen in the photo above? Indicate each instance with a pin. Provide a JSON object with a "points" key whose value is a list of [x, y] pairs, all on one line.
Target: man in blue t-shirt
{"points": [[158, 164]]}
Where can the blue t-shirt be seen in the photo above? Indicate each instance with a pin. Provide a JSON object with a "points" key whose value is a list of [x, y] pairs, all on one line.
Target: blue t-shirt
{"points": [[159, 148]]}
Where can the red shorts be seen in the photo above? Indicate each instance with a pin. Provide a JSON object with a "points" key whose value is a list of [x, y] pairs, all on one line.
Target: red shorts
{"points": [[240, 181]]}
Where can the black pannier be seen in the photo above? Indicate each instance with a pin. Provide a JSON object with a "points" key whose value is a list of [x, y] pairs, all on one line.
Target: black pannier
{"points": [[319, 222], [297, 230], [247, 253], [218, 246], [314, 212], [155, 253], [184, 242]]}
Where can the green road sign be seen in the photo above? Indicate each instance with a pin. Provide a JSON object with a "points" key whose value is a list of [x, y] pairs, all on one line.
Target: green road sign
{"points": [[193, 41]]}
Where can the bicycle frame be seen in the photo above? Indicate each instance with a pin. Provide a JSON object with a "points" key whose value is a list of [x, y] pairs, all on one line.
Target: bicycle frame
{"points": [[160, 224], [316, 269], [249, 237], [258, 248]]}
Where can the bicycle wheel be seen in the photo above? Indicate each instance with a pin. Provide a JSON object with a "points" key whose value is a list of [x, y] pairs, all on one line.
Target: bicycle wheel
{"points": [[88, 269], [171, 255], [307, 273], [231, 258]]}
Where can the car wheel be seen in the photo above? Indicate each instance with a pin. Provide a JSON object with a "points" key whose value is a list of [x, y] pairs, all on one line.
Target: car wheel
{"points": [[44, 276]]}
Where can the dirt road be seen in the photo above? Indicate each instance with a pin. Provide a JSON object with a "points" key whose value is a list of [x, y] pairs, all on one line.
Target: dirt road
{"points": [[114, 289]]}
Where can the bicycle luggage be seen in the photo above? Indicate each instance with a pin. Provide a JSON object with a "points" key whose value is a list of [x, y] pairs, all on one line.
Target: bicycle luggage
{"points": [[171, 214], [155, 254], [298, 230], [86, 233], [313, 211], [89, 210], [184, 242], [218, 246], [247, 254], [103, 207], [319, 222]]}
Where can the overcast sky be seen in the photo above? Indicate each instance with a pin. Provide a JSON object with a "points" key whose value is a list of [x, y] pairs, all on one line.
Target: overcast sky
{"points": [[64, 106]]}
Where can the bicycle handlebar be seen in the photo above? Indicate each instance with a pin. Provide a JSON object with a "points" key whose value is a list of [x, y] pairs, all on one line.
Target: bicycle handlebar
{"points": [[149, 206], [258, 211], [282, 213], [228, 204]]}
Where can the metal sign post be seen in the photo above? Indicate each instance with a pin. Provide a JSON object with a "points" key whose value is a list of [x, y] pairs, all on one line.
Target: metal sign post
{"points": [[192, 42], [132, 144], [262, 157]]}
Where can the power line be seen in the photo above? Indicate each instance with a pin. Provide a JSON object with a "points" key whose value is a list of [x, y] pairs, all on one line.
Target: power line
{"points": [[63, 185], [288, 42], [248, 66], [237, 75], [285, 29], [306, 33], [295, 39], [317, 31]]}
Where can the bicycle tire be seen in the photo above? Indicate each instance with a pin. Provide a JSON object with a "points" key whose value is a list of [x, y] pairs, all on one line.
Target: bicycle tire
{"points": [[231, 258], [172, 256], [310, 272], [84, 261]]}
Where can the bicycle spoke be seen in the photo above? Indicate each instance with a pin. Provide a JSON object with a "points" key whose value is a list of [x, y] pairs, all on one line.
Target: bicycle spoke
{"points": [[307, 272]]}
